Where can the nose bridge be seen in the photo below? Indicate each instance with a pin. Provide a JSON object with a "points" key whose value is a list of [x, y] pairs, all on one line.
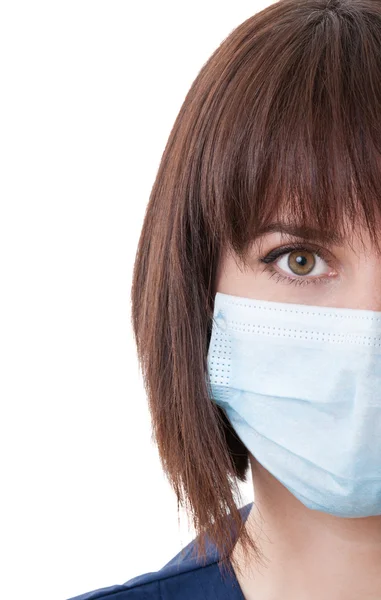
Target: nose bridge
{"points": [[365, 287]]}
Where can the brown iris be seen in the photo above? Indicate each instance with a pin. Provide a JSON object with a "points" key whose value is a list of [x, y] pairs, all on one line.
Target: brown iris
{"points": [[301, 262]]}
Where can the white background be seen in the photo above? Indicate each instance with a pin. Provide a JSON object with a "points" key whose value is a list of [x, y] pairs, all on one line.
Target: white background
{"points": [[89, 93]]}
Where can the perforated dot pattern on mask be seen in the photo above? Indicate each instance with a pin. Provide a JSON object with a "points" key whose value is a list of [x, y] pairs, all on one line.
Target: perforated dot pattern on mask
{"points": [[220, 363]]}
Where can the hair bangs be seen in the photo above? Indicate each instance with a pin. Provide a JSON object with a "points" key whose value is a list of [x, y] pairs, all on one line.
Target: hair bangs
{"points": [[302, 145]]}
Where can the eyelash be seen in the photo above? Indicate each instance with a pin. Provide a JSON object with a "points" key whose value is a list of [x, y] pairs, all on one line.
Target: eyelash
{"points": [[272, 256]]}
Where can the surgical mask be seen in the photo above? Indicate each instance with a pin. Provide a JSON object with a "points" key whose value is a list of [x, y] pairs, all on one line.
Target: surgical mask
{"points": [[301, 387]]}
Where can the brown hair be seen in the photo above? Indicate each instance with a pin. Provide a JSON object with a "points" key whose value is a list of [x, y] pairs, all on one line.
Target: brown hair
{"points": [[285, 114]]}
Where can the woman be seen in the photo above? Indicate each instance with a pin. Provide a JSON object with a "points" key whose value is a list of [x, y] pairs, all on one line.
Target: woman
{"points": [[256, 306]]}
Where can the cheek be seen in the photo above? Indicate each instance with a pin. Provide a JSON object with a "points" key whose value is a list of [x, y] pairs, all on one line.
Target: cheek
{"points": [[247, 282], [232, 280]]}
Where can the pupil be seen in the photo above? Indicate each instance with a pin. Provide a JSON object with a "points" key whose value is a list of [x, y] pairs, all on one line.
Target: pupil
{"points": [[301, 260]]}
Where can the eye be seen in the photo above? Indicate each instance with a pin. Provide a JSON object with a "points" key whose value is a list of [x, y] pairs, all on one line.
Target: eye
{"points": [[300, 265], [302, 262]]}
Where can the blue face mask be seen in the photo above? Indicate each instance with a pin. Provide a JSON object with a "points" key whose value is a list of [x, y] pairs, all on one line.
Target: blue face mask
{"points": [[301, 386]]}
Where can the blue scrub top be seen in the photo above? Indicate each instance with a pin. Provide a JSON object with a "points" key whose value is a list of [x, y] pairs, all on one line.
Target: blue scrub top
{"points": [[182, 578]]}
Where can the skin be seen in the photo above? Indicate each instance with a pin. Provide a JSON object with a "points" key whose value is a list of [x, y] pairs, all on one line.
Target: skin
{"points": [[309, 555]]}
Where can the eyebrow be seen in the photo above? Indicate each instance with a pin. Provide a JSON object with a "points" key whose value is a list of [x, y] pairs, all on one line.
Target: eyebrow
{"points": [[329, 238]]}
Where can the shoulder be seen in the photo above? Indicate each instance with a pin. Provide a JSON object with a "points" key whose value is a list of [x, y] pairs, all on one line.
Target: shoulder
{"points": [[168, 582], [182, 577]]}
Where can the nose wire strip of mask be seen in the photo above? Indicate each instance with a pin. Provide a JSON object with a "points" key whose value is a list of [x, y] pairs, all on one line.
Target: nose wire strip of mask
{"points": [[330, 325]]}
